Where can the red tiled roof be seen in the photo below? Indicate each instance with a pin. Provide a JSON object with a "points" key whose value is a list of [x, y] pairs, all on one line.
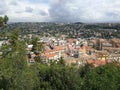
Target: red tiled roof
{"points": [[49, 51], [50, 55], [54, 50], [96, 62], [90, 61]]}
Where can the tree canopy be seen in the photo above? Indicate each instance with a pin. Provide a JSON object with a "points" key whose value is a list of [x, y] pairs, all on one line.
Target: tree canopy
{"points": [[17, 74], [3, 21]]}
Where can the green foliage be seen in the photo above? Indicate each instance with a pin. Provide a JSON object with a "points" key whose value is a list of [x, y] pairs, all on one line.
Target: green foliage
{"points": [[14, 39], [13, 63], [16, 74], [3, 21], [103, 78], [61, 61], [85, 70], [37, 46], [58, 78]]}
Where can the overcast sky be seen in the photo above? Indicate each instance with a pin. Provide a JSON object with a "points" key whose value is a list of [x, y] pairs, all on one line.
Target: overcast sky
{"points": [[61, 10]]}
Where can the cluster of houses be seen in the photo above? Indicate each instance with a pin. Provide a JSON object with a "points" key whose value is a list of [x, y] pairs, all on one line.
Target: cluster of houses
{"points": [[80, 51], [57, 48]]}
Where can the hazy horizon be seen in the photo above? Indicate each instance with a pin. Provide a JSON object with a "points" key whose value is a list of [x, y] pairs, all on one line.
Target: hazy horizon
{"points": [[86, 11]]}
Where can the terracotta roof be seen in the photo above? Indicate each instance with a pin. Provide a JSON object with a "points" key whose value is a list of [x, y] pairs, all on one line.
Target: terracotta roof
{"points": [[50, 55], [103, 62], [90, 61], [96, 62], [49, 51], [54, 50], [59, 48]]}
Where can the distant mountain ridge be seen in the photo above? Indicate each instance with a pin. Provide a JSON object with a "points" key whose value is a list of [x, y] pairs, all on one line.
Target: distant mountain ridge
{"points": [[32, 27]]}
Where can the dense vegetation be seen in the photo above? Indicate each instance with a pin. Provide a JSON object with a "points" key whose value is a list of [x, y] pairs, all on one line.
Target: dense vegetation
{"points": [[17, 74], [72, 30]]}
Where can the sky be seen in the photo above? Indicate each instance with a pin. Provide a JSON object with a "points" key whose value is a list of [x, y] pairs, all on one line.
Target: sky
{"points": [[61, 10]]}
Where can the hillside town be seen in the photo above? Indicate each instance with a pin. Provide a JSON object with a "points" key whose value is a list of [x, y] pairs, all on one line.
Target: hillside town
{"points": [[76, 43], [78, 51], [60, 45]]}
